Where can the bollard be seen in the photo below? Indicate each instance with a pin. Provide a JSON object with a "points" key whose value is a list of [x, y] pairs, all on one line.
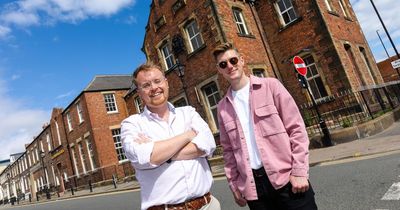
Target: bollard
{"points": [[114, 181], [72, 189], [37, 197], [90, 186], [58, 194], [30, 198]]}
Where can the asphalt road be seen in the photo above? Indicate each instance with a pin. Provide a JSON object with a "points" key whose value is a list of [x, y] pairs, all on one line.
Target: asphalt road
{"points": [[353, 185]]}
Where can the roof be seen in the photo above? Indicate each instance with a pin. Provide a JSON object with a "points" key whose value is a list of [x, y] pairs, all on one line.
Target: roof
{"points": [[4, 162], [109, 82]]}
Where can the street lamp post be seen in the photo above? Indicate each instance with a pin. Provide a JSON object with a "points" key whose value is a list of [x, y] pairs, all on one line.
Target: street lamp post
{"points": [[377, 32], [46, 190], [180, 70]]}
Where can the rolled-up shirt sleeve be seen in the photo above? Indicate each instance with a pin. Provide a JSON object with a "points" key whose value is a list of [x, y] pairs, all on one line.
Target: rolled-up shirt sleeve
{"points": [[205, 139], [138, 154]]}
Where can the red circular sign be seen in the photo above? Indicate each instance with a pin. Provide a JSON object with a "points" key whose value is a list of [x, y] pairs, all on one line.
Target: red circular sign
{"points": [[300, 65]]}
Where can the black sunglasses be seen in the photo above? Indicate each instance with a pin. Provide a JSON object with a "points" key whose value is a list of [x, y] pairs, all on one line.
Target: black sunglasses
{"points": [[224, 64]]}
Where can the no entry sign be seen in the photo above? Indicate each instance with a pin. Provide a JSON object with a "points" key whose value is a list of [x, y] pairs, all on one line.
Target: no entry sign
{"points": [[300, 65]]}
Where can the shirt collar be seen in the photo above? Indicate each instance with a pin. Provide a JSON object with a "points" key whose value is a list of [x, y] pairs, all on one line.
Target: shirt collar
{"points": [[254, 81], [150, 114]]}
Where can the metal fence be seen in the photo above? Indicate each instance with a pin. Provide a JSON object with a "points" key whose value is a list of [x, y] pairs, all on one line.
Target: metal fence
{"points": [[348, 108]]}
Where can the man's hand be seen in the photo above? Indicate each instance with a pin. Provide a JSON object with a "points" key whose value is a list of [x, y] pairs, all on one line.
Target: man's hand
{"points": [[141, 139], [299, 184], [239, 199], [190, 134]]}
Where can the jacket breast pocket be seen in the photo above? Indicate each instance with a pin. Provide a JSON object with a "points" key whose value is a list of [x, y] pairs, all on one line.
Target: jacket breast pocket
{"points": [[233, 134], [269, 120]]}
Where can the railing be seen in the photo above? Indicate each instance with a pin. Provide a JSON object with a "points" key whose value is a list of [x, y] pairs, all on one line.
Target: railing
{"points": [[347, 108]]}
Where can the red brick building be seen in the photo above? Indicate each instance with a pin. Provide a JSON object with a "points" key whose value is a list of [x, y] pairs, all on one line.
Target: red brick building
{"points": [[92, 126], [268, 34], [387, 71], [188, 31], [80, 144], [327, 35]]}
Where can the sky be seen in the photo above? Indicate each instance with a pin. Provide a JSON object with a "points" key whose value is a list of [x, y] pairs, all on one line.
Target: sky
{"points": [[51, 49]]}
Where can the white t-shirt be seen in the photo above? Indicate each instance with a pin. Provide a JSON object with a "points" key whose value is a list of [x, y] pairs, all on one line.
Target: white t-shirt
{"points": [[242, 108]]}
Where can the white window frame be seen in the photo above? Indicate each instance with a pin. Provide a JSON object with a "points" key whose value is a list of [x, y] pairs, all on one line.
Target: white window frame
{"points": [[116, 134], [73, 153], [138, 104], [110, 102], [312, 78], [210, 108], [69, 122], [344, 9], [89, 146], [29, 159], [58, 133], [41, 146], [195, 40], [37, 153], [328, 4], [80, 112], [240, 22], [257, 71], [48, 142], [82, 156], [178, 98], [167, 56], [287, 9]]}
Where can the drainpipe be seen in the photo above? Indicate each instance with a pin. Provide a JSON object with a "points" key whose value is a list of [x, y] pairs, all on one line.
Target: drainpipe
{"points": [[263, 36], [215, 13]]}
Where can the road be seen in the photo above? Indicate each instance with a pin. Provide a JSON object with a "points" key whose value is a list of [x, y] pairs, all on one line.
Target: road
{"points": [[342, 185]]}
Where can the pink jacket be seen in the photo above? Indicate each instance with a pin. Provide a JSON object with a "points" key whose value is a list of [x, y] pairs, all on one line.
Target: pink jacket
{"points": [[280, 134]]}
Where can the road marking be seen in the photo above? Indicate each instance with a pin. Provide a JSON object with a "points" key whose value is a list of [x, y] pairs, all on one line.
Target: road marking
{"points": [[393, 193]]}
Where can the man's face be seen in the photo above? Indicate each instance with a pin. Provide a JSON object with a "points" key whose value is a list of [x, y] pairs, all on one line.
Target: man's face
{"points": [[230, 65], [152, 88]]}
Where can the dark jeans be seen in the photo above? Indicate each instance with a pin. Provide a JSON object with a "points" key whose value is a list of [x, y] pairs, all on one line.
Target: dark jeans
{"points": [[281, 199]]}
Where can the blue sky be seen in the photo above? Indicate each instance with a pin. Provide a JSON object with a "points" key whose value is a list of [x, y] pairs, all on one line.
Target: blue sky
{"points": [[51, 49]]}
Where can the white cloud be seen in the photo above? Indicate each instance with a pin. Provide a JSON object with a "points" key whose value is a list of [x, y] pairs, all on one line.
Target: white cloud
{"points": [[65, 95], [131, 20], [4, 31], [20, 18], [389, 12], [18, 124], [24, 13], [15, 77]]}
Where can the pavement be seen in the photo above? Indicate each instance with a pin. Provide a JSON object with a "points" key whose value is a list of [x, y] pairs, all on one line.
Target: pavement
{"points": [[388, 141]]}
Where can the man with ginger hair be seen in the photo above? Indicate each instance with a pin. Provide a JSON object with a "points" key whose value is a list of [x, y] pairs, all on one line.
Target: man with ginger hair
{"points": [[168, 147]]}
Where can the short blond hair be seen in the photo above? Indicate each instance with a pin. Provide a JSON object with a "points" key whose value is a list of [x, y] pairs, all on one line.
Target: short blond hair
{"points": [[223, 48], [145, 67]]}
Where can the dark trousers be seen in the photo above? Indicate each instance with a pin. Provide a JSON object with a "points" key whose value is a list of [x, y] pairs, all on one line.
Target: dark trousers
{"points": [[281, 199]]}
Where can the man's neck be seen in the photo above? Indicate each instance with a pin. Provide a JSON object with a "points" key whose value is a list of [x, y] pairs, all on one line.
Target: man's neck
{"points": [[239, 84], [162, 111]]}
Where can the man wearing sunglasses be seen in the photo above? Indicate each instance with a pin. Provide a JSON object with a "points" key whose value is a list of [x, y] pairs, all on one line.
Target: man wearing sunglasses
{"points": [[168, 146], [264, 139]]}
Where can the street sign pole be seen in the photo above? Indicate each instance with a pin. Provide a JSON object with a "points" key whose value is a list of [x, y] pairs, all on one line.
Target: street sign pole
{"points": [[302, 72]]}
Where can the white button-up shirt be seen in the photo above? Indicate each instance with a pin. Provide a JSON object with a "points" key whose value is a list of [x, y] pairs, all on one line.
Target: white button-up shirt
{"points": [[175, 182]]}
